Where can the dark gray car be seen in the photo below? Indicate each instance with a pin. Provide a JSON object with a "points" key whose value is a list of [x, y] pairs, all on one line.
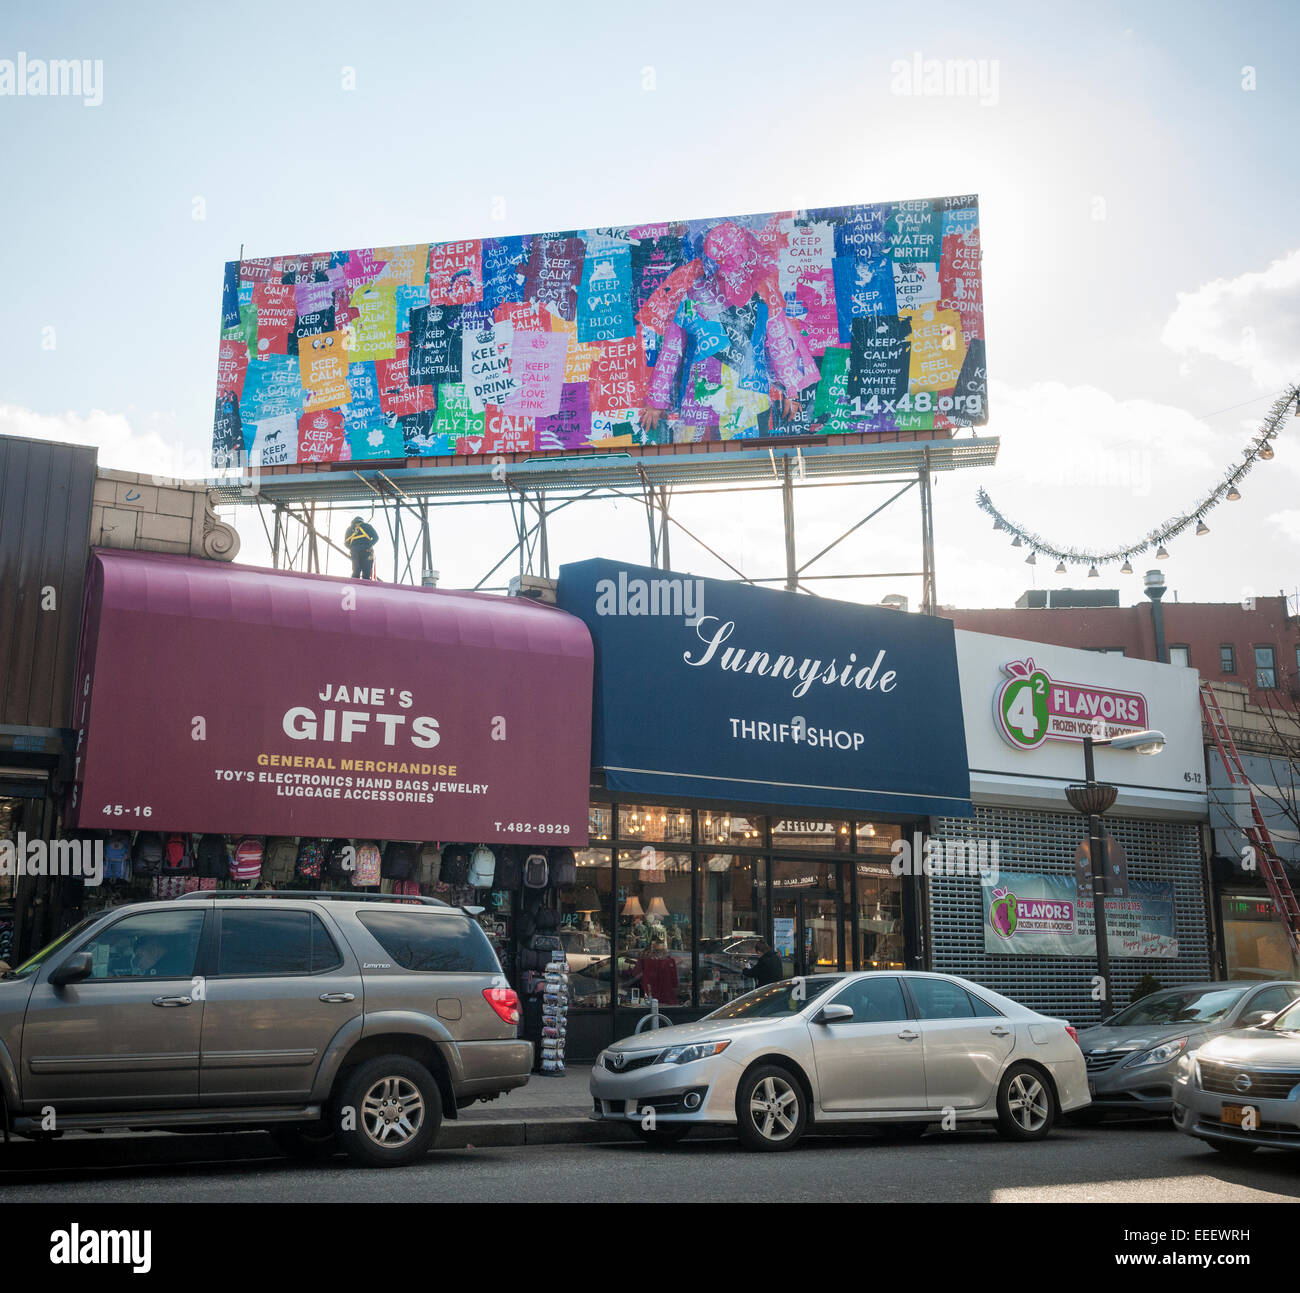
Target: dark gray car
{"points": [[330, 1020], [1132, 1058]]}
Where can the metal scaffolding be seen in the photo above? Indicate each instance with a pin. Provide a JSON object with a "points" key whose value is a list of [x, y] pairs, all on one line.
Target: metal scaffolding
{"points": [[296, 508]]}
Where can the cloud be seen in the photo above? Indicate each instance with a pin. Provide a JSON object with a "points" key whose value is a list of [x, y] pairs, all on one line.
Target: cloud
{"points": [[1252, 321], [154, 450], [1288, 523]]}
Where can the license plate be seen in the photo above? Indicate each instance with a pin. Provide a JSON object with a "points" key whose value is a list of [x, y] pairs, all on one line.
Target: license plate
{"points": [[1233, 1114]]}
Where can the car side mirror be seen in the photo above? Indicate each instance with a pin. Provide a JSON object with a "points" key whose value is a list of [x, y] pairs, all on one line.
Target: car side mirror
{"points": [[1252, 1018], [73, 970], [834, 1014]]}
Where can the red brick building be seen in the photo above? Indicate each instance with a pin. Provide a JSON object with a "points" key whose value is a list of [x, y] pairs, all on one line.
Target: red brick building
{"points": [[1256, 645]]}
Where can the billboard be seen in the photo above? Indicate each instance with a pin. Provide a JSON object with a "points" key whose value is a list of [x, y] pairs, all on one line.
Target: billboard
{"points": [[825, 321], [227, 699]]}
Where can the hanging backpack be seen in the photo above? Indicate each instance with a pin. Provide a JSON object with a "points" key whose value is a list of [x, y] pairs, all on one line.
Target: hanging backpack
{"points": [[482, 868], [246, 864], [455, 864], [117, 856], [510, 868], [430, 864], [536, 872], [341, 860], [564, 868], [398, 860], [147, 859], [177, 858], [213, 862], [369, 866], [311, 859], [280, 860]]}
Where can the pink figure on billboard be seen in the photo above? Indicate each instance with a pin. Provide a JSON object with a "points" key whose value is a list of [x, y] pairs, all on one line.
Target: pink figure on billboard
{"points": [[734, 290]]}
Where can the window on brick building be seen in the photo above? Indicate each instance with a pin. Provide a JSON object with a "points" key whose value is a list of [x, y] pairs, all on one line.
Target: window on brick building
{"points": [[1227, 660], [1180, 655], [1265, 668]]}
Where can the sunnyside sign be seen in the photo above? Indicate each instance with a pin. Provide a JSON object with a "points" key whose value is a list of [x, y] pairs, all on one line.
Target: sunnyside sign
{"points": [[1031, 707], [747, 695]]}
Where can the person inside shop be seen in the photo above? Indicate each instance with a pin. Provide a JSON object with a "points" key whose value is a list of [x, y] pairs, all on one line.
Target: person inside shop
{"points": [[656, 971], [360, 541], [767, 969]]}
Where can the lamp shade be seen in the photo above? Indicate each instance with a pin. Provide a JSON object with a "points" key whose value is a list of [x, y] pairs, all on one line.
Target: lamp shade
{"points": [[632, 907], [657, 907], [1095, 797]]}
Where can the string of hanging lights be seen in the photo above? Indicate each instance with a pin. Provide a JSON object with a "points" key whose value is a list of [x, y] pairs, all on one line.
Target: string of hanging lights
{"points": [[1259, 449]]}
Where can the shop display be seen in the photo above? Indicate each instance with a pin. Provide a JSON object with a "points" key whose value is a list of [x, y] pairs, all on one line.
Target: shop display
{"points": [[369, 865], [311, 859], [246, 864], [483, 868], [147, 857]]}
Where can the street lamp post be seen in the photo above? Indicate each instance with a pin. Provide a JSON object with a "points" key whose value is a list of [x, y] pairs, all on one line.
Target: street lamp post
{"points": [[1092, 799]]}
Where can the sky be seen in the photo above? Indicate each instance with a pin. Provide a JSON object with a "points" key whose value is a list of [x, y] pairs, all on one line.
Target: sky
{"points": [[1138, 201]]}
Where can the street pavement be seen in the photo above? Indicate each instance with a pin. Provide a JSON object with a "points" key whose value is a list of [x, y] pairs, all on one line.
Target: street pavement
{"points": [[1129, 1163]]}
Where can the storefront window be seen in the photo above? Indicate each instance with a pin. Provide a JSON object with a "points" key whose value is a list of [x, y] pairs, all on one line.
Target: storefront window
{"points": [[877, 837], [651, 822], [1254, 941], [731, 924], [600, 822], [654, 927], [794, 836], [880, 917], [586, 925], [723, 828]]}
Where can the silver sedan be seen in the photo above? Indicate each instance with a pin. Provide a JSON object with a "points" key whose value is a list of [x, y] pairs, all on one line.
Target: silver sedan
{"points": [[904, 1049]]}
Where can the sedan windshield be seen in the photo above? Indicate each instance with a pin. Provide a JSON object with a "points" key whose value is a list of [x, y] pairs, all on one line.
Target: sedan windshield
{"points": [[1180, 1006], [777, 1000]]}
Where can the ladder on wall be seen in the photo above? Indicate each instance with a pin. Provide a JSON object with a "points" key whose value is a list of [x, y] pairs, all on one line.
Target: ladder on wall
{"points": [[1279, 887]]}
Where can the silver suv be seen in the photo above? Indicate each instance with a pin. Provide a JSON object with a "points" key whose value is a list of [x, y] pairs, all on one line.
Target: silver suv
{"points": [[331, 1020]]}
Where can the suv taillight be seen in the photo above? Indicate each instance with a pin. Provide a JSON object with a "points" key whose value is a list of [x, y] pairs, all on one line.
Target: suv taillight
{"points": [[505, 1001], [1074, 1033]]}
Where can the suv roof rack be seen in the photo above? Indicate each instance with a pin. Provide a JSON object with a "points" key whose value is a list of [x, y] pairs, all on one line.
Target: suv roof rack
{"points": [[332, 894]]}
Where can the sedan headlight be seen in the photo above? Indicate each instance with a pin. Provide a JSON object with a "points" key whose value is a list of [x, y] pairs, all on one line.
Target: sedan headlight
{"points": [[694, 1051], [1161, 1054]]}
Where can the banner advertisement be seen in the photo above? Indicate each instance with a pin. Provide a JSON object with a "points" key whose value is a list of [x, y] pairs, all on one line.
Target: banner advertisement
{"points": [[823, 321], [1037, 914]]}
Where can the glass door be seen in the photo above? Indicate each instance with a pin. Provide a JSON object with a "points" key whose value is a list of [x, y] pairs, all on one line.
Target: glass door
{"points": [[807, 916]]}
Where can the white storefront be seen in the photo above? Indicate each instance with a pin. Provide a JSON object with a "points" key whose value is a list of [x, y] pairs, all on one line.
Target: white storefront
{"points": [[1026, 707]]}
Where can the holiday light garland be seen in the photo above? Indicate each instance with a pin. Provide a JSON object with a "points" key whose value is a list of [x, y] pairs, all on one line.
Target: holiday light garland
{"points": [[1259, 448]]}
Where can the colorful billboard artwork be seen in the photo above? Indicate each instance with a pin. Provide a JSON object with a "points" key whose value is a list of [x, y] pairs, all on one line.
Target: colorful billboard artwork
{"points": [[825, 321], [1043, 915]]}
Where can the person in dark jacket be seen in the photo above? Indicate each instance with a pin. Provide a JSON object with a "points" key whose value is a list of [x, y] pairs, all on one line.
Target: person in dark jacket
{"points": [[767, 969], [360, 541]]}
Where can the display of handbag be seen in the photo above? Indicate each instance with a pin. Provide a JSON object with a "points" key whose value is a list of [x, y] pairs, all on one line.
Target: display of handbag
{"points": [[280, 861], [311, 859], [482, 868], [455, 864], [177, 858], [341, 860], [564, 868], [147, 857], [398, 860], [369, 870], [213, 861], [430, 864], [246, 864], [536, 873]]}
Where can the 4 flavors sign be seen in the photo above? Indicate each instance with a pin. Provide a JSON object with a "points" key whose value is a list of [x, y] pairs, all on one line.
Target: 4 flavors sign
{"points": [[1031, 707]]}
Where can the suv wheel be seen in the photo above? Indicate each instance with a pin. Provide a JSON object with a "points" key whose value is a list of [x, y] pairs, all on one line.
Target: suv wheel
{"points": [[308, 1142], [1026, 1109], [770, 1110], [396, 1112]]}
